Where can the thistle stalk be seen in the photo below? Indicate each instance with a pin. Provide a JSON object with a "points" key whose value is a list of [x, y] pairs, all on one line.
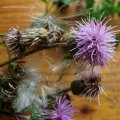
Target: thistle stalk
{"points": [[62, 44]]}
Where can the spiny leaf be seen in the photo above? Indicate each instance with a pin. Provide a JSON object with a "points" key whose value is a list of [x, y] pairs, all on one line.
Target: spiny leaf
{"points": [[35, 116], [108, 7], [90, 3]]}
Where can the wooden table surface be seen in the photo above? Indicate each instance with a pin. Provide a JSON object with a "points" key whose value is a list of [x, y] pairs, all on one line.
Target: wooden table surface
{"points": [[18, 13]]}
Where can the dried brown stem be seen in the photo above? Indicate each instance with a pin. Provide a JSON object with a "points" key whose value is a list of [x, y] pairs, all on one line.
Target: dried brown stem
{"points": [[63, 44]]}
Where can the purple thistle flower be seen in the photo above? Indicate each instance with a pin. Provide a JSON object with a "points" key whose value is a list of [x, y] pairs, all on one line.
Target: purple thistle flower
{"points": [[94, 42], [63, 109]]}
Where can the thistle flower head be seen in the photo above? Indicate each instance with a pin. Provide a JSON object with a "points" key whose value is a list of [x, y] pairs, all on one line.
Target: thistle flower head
{"points": [[94, 42], [88, 83], [63, 109]]}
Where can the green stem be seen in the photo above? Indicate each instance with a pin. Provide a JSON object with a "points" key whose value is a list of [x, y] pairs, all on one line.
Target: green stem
{"points": [[2, 34]]}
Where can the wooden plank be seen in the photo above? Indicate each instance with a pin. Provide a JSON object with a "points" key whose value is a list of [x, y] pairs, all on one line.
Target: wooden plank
{"points": [[110, 105]]}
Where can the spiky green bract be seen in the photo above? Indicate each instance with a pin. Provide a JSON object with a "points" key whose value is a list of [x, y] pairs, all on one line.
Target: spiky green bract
{"points": [[35, 116]]}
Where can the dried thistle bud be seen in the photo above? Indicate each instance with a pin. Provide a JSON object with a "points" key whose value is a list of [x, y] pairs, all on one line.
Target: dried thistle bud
{"points": [[34, 37], [21, 41], [88, 88], [88, 82], [54, 36], [14, 41]]}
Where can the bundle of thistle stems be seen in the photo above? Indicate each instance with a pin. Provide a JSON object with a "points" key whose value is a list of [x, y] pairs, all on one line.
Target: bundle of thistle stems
{"points": [[89, 43]]}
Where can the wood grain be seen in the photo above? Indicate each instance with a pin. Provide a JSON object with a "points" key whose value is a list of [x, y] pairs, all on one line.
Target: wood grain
{"points": [[18, 13]]}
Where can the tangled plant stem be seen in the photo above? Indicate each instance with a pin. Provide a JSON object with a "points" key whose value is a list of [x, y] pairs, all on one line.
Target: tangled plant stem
{"points": [[14, 115], [62, 44]]}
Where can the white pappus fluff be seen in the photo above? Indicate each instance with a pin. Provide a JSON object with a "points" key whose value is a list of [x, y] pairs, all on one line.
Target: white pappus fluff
{"points": [[42, 101], [26, 91]]}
